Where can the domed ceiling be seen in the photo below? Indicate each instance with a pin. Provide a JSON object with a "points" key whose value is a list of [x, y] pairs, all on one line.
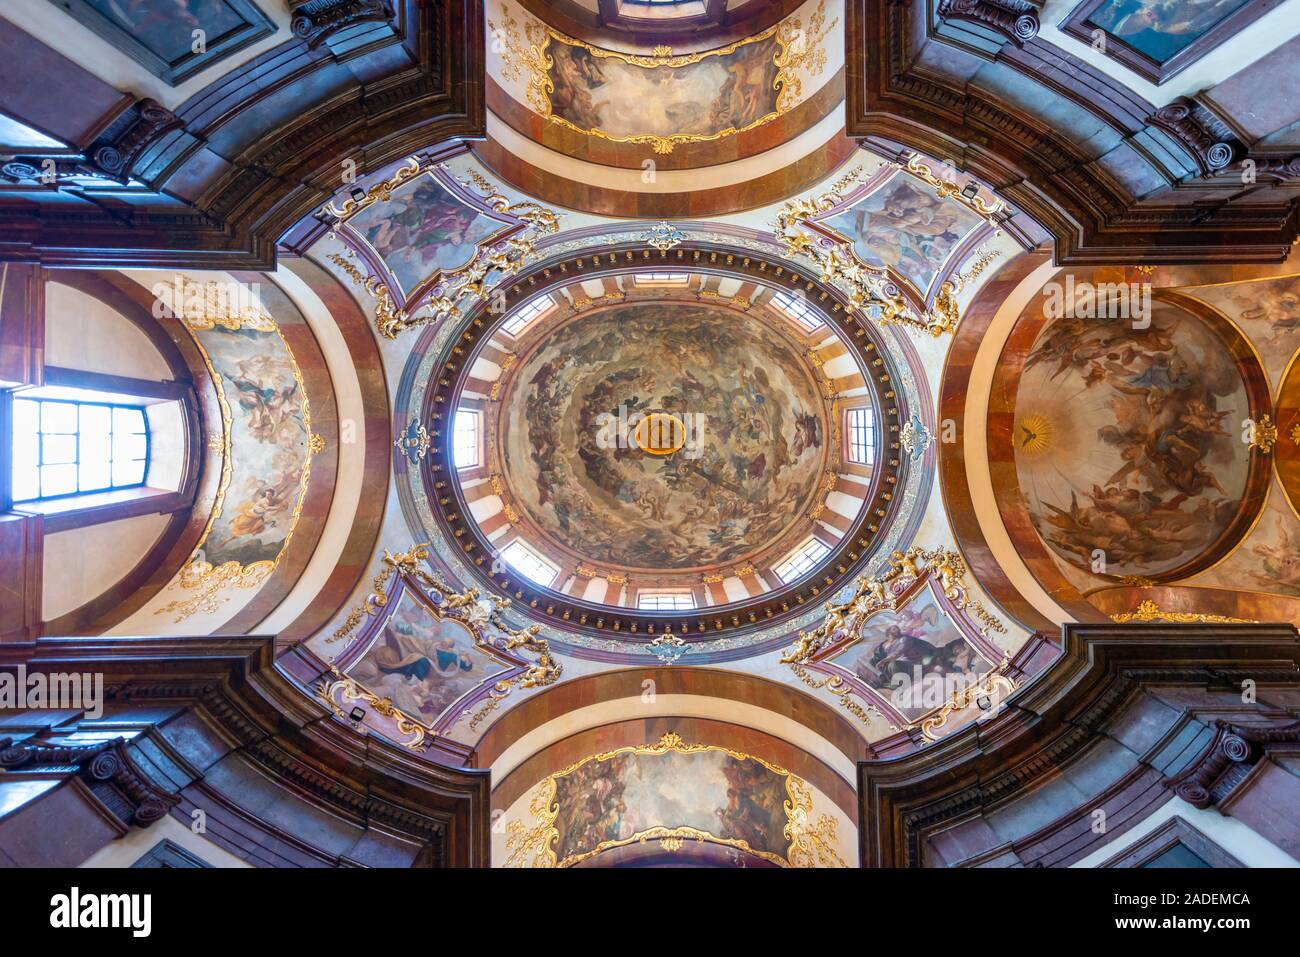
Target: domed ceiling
{"points": [[698, 432], [683, 431], [756, 443]]}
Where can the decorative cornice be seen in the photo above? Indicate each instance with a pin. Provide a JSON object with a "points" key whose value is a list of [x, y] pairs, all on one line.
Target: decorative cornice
{"points": [[1052, 720], [272, 722], [285, 135], [1017, 22], [101, 764], [1227, 760], [113, 155], [1178, 118], [892, 102], [318, 19]]}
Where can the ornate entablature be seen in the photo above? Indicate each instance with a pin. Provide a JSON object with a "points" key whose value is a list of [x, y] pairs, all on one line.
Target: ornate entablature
{"points": [[414, 627]]}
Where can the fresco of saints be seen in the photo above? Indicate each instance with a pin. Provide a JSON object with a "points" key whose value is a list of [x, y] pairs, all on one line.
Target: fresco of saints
{"points": [[731, 91], [1158, 400], [423, 231], [422, 664], [267, 393], [904, 226]]}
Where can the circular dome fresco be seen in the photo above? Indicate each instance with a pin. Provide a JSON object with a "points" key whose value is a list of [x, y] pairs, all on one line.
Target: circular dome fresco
{"points": [[747, 450], [640, 441]]}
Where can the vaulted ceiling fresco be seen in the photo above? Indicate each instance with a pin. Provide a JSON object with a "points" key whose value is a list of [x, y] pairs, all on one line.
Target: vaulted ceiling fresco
{"points": [[1127, 441], [1148, 420], [762, 443], [631, 423]]}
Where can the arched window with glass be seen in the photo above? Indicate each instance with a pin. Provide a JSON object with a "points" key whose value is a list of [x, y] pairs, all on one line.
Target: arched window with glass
{"points": [[64, 448]]}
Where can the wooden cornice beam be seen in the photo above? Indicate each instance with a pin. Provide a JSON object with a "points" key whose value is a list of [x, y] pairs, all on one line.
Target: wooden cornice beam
{"points": [[1053, 719], [281, 727]]}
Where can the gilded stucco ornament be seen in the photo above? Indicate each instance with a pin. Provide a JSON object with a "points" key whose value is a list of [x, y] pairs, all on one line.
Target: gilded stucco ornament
{"points": [[480, 615], [1264, 435], [664, 236], [890, 590], [948, 189], [380, 192], [668, 648], [1148, 611], [441, 297], [870, 288]]}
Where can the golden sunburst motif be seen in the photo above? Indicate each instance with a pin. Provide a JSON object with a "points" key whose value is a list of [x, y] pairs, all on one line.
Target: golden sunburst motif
{"points": [[1034, 434]]}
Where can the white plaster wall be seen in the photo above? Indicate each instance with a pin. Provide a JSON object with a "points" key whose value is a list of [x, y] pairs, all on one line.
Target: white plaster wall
{"points": [[83, 333], [82, 563], [137, 842], [1229, 833]]}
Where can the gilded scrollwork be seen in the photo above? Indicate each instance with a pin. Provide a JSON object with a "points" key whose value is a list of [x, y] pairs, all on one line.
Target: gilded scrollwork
{"points": [[1148, 611], [812, 840], [407, 562], [985, 689], [334, 692], [870, 288], [441, 298], [888, 590], [380, 192], [528, 652], [948, 189]]}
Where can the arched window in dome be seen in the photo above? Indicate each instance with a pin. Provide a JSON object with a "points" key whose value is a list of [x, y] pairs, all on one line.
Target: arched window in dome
{"points": [[652, 600], [802, 560], [523, 559], [467, 439], [861, 428]]}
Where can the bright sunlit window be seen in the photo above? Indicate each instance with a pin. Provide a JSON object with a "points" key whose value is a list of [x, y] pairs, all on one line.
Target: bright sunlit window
{"points": [[862, 436], [802, 560], [465, 440], [529, 564], [662, 278], [527, 314], [665, 600], [797, 308], [71, 448]]}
